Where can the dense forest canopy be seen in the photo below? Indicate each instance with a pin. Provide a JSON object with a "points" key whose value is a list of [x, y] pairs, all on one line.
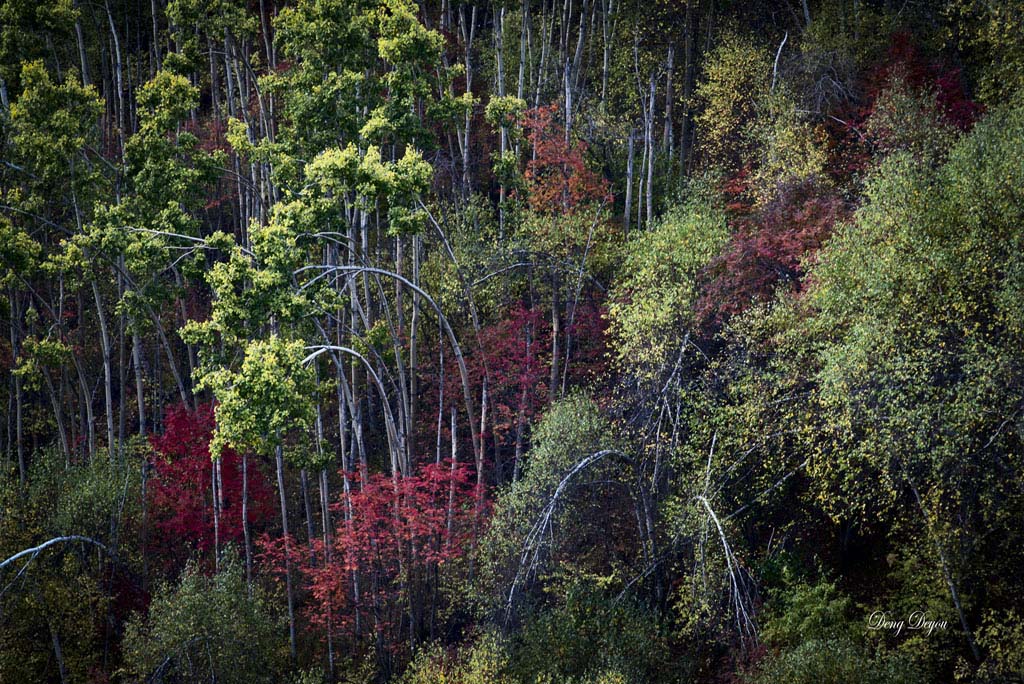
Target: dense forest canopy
{"points": [[518, 341]]}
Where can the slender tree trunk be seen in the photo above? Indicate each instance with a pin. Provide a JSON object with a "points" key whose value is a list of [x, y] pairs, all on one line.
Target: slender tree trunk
{"points": [[630, 157], [108, 381], [946, 573], [556, 331], [119, 78], [279, 458], [156, 35], [140, 396], [19, 423], [245, 523], [606, 45], [688, 76], [307, 503], [216, 513], [650, 154], [58, 653], [666, 139]]}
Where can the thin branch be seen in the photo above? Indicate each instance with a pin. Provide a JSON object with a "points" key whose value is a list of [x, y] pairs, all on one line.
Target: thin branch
{"points": [[36, 550]]}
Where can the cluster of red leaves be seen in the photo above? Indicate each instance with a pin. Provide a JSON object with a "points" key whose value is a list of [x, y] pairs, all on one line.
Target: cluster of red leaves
{"points": [[181, 493], [850, 152], [557, 176], [905, 59], [517, 355], [393, 537], [514, 355], [770, 248]]}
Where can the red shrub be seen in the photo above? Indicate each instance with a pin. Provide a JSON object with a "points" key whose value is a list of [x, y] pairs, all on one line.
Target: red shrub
{"points": [[557, 176], [180, 493], [767, 250], [389, 547]]}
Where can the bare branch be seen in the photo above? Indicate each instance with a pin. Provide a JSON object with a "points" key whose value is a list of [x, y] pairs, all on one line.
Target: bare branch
{"points": [[36, 550]]}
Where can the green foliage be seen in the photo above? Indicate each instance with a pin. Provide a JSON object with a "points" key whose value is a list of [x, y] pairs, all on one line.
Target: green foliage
{"points": [[658, 284], [1002, 637], [813, 638], [799, 612], [207, 628], [994, 31], [269, 395], [842, 42], [28, 31], [484, 661], [851, 412], [62, 594], [907, 294], [571, 430], [596, 638], [911, 121], [18, 252], [790, 147], [834, 662], [52, 127]]}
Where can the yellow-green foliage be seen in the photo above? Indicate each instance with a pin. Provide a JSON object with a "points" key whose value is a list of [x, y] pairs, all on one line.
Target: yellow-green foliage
{"points": [[909, 120], [484, 661], [736, 74], [61, 593], [657, 287], [790, 147], [995, 29], [270, 394]]}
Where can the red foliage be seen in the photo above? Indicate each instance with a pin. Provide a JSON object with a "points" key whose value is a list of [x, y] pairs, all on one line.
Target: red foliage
{"points": [[557, 176], [393, 538], [904, 58], [180, 494], [850, 152], [769, 249], [514, 354], [517, 354]]}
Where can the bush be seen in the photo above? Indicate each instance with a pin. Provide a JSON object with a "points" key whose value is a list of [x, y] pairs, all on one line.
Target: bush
{"points": [[812, 639], [207, 628], [592, 637]]}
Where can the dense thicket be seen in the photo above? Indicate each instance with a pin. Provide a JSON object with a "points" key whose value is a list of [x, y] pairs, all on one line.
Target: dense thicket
{"points": [[593, 341]]}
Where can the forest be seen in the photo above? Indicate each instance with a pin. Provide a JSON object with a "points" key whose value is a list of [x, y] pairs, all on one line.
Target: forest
{"points": [[512, 341]]}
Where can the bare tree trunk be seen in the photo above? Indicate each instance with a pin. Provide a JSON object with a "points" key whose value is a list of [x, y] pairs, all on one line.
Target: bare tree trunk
{"points": [[307, 502], [156, 35], [946, 573], [108, 381], [468, 33], [245, 523], [650, 155], [58, 653], [83, 61], [688, 76], [606, 45], [279, 459], [216, 513], [556, 324], [631, 155], [666, 138], [140, 397], [119, 78], [19, 424], [414, 329]]}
